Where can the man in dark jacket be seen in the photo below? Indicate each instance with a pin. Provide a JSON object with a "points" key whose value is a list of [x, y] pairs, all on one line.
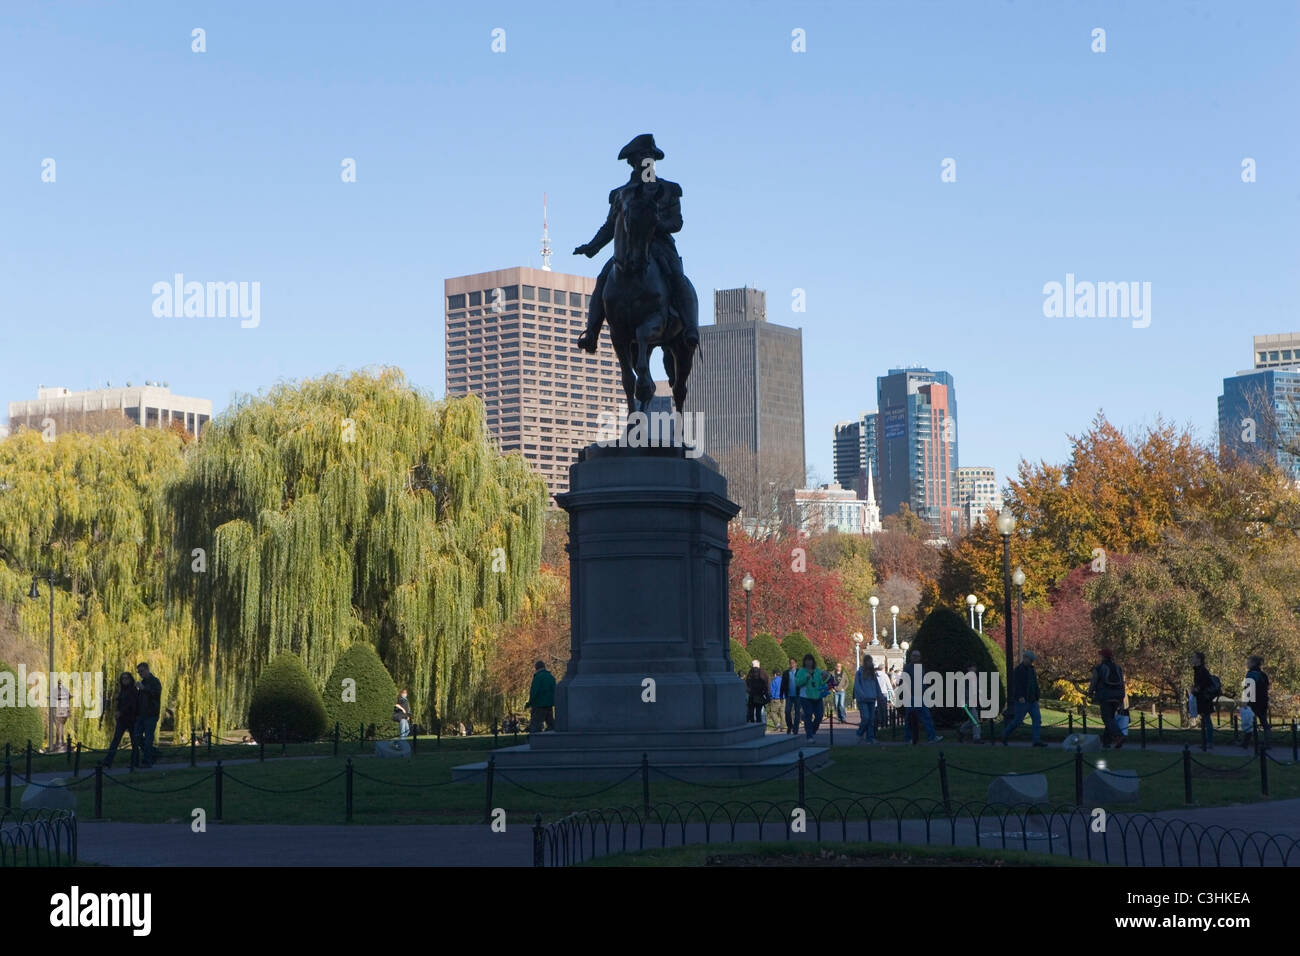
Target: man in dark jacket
{"points": [[791, 695], [1203, 693], [541, 700], [1024, 700], [150, 706], [1107, 689], [1255, 694]]}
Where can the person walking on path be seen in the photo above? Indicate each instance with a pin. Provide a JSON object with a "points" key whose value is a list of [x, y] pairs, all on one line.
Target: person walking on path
{"points": [[62, 711], [541, 700], [1107, 689], [836, 681], [913, 684], [810, 681], [757, 689], [150, 706], [867, 694], [885, 698], [775, 699], [402, 714], [1205, 688], [1024, 700], [1255, 694], [125, 710], [790, 692]]}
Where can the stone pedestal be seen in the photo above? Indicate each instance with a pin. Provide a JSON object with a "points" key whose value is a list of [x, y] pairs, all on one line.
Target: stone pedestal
{"points": [[650, 669]]}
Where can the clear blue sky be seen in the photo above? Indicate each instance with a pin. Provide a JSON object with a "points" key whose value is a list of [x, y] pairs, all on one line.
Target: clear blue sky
{"points": [[818, 171]]}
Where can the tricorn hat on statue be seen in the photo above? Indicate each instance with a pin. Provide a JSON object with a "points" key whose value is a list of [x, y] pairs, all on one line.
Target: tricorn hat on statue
{"points": [[645, 143]]}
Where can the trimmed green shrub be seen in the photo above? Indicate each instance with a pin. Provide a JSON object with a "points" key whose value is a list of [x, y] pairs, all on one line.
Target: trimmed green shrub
{"points": [[18, 724], [770, 654], [796, 645], [373, 693], [999, 655], [739, 658], [286, 706], [949, 645]]}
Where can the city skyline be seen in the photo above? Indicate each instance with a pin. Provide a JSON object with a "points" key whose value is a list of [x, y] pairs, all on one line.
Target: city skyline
{"points": [[946, 274]]}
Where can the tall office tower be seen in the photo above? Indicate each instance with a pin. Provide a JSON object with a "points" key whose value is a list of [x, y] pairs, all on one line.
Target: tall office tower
{"points": [[871, 445], [848, 454], [977, 492], [1259, 417], [1277, 351], [853, 450], [748, 385], [510, 340], [151, 405], [918, 446]]}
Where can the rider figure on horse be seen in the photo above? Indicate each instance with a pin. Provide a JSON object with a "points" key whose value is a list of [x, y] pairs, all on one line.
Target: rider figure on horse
{"points": [[664, 249]]}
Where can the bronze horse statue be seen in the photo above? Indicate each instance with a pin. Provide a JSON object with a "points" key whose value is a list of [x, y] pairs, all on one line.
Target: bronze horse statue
{"points": [[638, 304]]}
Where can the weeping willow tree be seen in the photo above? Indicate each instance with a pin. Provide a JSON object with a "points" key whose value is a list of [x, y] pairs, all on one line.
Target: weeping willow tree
{"points": [[87, 508], [348, 509]]}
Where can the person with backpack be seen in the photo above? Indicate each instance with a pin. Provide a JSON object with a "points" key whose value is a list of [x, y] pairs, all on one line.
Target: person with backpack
{"points": [[1107, 690], [1205, 689]]}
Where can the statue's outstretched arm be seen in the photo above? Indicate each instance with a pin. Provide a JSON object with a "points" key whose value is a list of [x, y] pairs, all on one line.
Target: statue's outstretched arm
{"points": [[602, 237]]}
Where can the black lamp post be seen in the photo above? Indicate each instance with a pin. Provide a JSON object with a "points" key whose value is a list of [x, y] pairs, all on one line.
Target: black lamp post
{"points": [[1006, 525], [748, 584], [35, 594], [1018, 579]]}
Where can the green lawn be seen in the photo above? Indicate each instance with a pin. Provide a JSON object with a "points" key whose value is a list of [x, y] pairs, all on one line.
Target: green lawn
{"points": [[173, 754], [831, 854], [419, 791]]}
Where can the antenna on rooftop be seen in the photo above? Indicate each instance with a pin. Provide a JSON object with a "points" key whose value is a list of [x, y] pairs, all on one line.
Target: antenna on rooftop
{"points": [[546, 239]]}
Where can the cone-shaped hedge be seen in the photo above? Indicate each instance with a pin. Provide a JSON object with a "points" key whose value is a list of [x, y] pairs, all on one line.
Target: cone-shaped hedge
{"points": [[286, 706], [18, 724], [368, 700], [769, 653], [949, 645], [796, 645], [739, 660]]}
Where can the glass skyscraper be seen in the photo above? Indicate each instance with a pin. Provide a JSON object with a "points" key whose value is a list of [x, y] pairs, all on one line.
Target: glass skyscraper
{"points": [[917, 446]]}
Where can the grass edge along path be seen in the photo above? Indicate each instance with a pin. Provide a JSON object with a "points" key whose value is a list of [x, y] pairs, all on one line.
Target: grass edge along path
{"points": [[830, 854]]}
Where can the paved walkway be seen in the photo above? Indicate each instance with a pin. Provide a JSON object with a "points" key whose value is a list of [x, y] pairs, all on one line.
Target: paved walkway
{"points": [[1129, 839], [154, 844]]}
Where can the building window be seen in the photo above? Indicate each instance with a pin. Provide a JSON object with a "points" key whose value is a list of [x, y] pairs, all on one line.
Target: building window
{"points": [[456, 301], [476, 298], [544, 295], [529, 292], [511, 292]]}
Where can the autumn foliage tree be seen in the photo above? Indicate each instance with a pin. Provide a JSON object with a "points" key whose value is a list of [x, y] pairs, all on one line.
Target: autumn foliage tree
{"points": [[792, 592]]}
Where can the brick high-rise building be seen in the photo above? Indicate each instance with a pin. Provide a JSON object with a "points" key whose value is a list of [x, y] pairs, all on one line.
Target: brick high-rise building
{"points": [[918, 446], [510, 340], [748, 385]]}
